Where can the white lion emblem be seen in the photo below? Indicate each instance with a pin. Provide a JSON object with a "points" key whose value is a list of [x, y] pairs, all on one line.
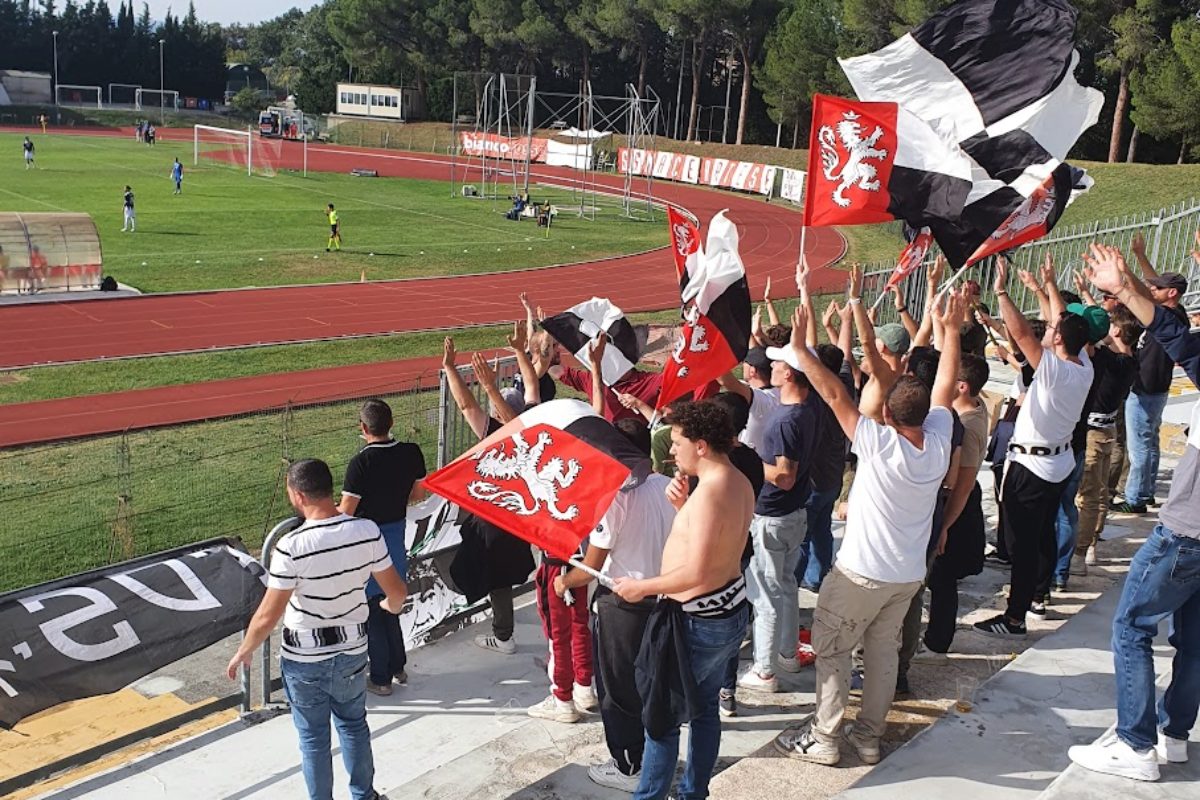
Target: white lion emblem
{"points": [[684, 243], [698, 344], [1033, 212], [856, 169], [543, 482]]}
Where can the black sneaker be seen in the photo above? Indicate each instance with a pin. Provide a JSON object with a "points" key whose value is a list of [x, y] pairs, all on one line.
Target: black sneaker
{"points": [[1128, 508], [1038, 607], [999, 626], [902, 688], [727, 704], [1154, 502]]}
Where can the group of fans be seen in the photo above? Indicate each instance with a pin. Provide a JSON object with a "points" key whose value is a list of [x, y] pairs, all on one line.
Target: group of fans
{"points": [[739, 516]]}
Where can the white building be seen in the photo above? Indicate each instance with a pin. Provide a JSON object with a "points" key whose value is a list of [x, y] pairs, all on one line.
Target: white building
{"points": [[385, 102]]}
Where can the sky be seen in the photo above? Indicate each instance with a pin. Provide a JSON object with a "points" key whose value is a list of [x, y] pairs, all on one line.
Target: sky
{"points": [[226, 11]]}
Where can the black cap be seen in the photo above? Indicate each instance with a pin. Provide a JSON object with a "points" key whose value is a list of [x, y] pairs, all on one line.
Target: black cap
{"points": [[1169, 280], [757, 358]]}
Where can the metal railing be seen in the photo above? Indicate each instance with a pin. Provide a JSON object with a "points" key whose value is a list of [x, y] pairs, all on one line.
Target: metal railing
{"points": [[455, 436], [1169, 234]]}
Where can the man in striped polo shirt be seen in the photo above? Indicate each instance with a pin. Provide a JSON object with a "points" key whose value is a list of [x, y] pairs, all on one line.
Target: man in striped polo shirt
{"points": [[318, 574]]}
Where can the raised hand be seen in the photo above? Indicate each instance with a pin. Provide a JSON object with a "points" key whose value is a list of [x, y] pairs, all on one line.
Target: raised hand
{"points": [[1138, 245], [895, 290], [802, 273], [484, 373], [517, 342], [799, 328], [596, 350], [767, 291], [1080, 284], [936, 271], [448, 354], [830, 310], [1106, 268], [524, 297], [677, 490], [1001, 283], [1047, 271], [854, 289], [1196, 252], [1029, 281]]}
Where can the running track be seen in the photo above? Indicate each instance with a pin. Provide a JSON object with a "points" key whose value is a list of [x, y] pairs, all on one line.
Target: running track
{"points": [[174, 323], [83, 330]]}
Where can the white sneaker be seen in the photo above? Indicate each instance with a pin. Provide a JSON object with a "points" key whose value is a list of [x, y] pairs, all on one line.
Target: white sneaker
{"points": [[585, 697], [787, 663], [926, 656], [1090, 558], [1079, 565], [752, 679], [1112, 756], [800, 744], [1171, 751], [868, 751], [554, 709], [488, 641], [609, 774]]}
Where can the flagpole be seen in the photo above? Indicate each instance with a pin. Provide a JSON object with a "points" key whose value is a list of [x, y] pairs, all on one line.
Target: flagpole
{"points": [[605, 581]]}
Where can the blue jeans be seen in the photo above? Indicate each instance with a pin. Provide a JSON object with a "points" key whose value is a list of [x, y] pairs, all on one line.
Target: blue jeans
{"points": [[336, 686], [816, 556], [1163, 581], [772, 588], [712, 642], [1066, 527], [1143, 417]]}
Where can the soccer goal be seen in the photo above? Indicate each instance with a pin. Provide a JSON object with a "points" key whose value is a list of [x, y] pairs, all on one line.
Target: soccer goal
{"points": [[241, 149], [150, 99], [68, 94], [122, 93]]}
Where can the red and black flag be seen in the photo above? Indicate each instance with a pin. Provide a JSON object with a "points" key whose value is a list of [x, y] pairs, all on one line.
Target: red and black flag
{"points": [[875, 162], [998, 77], [911, 258], [716, 307], [547, 477]]}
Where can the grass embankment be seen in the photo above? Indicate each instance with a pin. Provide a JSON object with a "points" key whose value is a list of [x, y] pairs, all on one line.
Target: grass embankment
{"points": [[230, 230]]}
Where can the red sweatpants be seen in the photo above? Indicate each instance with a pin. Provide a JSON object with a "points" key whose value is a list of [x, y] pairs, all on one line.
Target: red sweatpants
{"points": [[566, 628]]}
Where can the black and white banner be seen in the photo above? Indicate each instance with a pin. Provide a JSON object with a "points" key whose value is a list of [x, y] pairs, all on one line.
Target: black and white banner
{"points": [[577, 327], [997, 77], [97, 632]]}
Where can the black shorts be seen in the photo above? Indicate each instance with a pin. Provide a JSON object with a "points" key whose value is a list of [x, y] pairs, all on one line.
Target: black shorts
{"points": [[333, 230]]}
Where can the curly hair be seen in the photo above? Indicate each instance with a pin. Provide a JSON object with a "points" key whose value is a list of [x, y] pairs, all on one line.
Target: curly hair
{"points": [[704, 421]]}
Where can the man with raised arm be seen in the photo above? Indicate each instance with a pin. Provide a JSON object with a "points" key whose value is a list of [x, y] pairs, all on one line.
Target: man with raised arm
{"points": [[1162, 580], [702, 611], [881, 564], [1040, 457]]}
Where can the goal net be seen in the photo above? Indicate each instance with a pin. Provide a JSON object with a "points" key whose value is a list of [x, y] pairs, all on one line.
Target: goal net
{"points": [[240, 149], [124, 94], [69, 94], [150, 99]]}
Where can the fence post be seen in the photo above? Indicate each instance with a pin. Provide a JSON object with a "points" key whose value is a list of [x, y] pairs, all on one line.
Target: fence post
{"points": [[1157, 222], [121, 542]]}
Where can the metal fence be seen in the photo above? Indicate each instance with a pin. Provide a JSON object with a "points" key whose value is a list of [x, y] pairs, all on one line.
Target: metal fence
{"points": [[1169, 235], [454, 434]]}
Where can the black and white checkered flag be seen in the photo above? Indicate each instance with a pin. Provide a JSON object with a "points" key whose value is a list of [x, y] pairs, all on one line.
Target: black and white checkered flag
{"points": [[579, 325]]}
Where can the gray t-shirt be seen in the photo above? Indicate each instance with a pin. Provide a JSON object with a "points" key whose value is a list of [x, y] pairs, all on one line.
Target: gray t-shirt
{"points": [[1181, 513]]}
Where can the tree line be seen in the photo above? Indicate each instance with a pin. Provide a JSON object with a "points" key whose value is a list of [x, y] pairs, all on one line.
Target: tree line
{"points": [[768, 57], [96, 49]]}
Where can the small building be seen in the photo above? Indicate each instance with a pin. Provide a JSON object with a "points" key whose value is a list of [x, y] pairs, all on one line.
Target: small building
{"points": [[20, 88], [383, 102]]}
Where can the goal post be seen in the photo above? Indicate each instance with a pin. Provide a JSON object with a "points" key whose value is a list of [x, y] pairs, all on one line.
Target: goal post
{"points": [[126, 90], [70, 94], [149, 99], [223, 144]]}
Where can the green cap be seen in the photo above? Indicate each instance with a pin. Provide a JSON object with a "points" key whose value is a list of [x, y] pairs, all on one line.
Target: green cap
{"points": [[1096, 319]]}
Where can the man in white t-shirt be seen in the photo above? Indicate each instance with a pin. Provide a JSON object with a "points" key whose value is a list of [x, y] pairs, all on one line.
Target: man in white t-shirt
{"points": [[1040, 458], [317, 585], [756, 388], [628, 543], [881, 564]]}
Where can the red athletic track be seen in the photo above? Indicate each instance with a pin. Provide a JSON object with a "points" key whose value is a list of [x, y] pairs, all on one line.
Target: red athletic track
{"points": [[84, 330], [75, 330]]}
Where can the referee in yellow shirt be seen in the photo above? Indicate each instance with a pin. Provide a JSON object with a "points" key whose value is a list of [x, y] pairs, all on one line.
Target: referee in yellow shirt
{"points": [[335, 230]]}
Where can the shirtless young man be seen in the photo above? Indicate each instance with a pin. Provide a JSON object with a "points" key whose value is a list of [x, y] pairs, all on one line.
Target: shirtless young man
{"points": [[702, 577]]}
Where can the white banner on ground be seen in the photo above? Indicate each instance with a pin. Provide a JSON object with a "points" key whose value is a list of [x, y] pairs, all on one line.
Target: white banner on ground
{"points": [[561, 154], [791, 186]]}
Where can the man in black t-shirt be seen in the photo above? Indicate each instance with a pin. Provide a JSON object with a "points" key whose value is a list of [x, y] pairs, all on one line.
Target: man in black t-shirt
{"points": [[829, 459], [381, 479]]}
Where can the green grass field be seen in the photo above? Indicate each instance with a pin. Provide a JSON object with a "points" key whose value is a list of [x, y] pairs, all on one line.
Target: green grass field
{"points": [[231, 230]]}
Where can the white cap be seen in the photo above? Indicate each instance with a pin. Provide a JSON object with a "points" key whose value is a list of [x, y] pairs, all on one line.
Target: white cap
{"points": [[788, 356]]}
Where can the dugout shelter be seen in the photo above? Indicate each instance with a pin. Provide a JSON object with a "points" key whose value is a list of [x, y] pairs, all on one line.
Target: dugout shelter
{"points": [[54, 252]]}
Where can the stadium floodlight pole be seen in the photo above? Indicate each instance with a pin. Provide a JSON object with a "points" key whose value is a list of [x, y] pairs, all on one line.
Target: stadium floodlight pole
{"points": [[162, 114], [54, 34], [728, 86], [679, 90]]}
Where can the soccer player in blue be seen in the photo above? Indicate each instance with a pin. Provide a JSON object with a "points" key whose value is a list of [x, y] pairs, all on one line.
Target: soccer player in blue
{"points": [[177, 176]]}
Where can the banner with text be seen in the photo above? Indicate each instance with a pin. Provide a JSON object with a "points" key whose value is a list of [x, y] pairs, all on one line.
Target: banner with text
{"points": [[97, 632], [514, 148], [791, 185], [746, 176]]}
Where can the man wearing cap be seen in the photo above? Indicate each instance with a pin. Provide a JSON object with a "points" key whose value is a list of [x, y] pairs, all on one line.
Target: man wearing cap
{"points": [[1040, 457], [883, 352], [1144, 408], [1067, 522], [779, 526], [756, 388]]}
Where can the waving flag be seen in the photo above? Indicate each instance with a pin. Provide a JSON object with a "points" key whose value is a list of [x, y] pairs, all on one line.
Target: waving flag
{"points": [[579, 325], [999, 74], [874, 162], [912, 257], [548, 476], [685, 245], [716, 330]]}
